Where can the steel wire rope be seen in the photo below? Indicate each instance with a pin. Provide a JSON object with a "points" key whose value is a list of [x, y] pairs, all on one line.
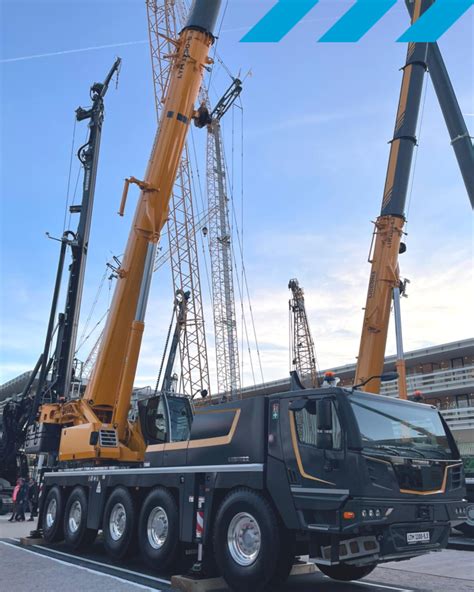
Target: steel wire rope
{"points": [[70, 172], [82, 338], [415, 161], [240, 240]]}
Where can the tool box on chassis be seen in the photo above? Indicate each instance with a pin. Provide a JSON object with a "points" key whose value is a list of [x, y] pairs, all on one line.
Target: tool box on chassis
{"points": [[311, 489]]}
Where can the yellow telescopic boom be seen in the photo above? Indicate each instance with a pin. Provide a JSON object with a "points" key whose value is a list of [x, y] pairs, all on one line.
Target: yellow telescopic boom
{"points": [[387, 244], [97, 426]]}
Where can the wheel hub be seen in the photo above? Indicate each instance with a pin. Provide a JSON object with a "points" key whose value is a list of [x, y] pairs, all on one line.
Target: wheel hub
{"points": [[75, 516], [470, 515], [244, 539], [117, 521], [51, 512], [157, 527]]}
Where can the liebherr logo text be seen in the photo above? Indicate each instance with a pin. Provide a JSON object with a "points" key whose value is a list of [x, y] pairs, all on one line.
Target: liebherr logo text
{"points": [[186, 55]]}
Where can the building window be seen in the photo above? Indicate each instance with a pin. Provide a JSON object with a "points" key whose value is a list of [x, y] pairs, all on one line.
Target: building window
{"points": [[457, 362]]}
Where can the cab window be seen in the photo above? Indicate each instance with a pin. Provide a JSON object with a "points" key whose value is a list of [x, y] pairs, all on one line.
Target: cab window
{"points": [[307, 429], [156, 424]]}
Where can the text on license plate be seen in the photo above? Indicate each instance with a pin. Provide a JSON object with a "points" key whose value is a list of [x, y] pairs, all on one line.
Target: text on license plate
{"points": [[418, 537]]}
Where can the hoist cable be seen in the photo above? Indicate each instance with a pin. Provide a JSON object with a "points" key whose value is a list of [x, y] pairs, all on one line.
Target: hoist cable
{"points": [[70, 172], [165, 350], [415, 160], [81, 340]]}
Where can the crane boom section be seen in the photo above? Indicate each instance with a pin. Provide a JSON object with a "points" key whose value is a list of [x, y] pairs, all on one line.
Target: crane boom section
{"points": [[151, 215], [384, 274]]}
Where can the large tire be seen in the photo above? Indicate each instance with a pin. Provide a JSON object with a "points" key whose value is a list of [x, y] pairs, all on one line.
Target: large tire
{"points": [[119, 524], [158, 529], [467, 528], [53, 511], [76, 533], [346, 573], [247, 541]]}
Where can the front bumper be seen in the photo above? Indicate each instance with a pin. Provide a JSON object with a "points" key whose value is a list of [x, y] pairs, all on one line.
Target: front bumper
{"points": [[379, 530]]}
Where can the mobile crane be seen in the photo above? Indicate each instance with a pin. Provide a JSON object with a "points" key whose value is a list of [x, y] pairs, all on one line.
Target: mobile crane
{"points": [[253, 482]]}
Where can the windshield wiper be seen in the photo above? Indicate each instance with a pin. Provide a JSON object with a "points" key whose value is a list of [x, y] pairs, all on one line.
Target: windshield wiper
{"points": [[396, 449], [382, 447]]}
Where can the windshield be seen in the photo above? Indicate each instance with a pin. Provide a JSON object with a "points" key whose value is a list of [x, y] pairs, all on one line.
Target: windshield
{"points": [[390, 427]]}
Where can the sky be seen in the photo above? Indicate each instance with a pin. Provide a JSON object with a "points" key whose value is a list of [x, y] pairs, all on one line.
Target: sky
{"points": [[316, 121]]}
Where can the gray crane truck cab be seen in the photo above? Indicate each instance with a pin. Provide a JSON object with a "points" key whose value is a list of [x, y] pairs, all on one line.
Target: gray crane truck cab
{"points": [[354, 479], [348, 478]]}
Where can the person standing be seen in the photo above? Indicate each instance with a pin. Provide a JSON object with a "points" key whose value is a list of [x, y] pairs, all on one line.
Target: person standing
{"points": [[21, 500], [16, 490], [32, 498]]}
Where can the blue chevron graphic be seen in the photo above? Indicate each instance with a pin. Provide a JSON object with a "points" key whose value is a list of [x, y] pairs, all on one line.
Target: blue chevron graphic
{"points": [[279, 21], [436, 21], [355, 23]]}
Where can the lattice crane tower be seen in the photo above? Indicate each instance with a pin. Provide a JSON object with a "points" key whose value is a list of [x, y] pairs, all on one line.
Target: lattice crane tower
{"points": [[164, 23], [301, 342]]}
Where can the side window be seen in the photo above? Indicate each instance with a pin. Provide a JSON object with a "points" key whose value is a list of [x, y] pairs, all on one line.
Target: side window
{"points": [[181, 418], [156, 425], [307, 428]]}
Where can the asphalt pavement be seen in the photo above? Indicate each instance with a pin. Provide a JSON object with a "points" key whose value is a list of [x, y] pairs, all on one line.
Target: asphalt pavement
{"points": [[55, 568]]}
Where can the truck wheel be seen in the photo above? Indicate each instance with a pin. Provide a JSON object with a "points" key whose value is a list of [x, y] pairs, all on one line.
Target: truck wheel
{"points": [[247, 541], [158, 529], [346, 573], [53, 516], [76, 533], [118, 524], [467, 528]]}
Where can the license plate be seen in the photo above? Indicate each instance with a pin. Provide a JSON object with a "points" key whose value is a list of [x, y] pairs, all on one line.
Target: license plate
{"points": [[418, 537]]}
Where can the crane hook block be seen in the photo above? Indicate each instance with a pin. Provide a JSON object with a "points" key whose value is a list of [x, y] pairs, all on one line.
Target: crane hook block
{"points": [[202, 117]]}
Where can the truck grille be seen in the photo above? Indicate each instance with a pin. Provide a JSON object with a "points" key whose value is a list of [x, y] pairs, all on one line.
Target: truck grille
{"points": [[456, 477], [414, 477], [108, 438]]}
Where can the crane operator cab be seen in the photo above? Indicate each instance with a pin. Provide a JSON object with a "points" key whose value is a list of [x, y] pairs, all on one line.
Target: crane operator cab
{"points": [[166, 418]]}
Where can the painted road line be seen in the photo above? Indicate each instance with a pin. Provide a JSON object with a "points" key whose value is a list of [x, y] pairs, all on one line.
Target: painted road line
{"points": [[373, 585], [106, 565], [92, 571]]}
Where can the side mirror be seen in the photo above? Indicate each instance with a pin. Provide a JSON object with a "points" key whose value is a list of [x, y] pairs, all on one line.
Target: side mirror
{"points": [[324, 439], [324, 414], [389, 376]]}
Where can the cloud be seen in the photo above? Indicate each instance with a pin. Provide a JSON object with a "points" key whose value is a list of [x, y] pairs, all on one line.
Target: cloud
{"points": [[436, 311]]}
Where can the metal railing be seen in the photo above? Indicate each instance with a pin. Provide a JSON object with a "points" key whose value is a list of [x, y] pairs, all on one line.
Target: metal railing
{"points": [[442, 381], [461, 418]]}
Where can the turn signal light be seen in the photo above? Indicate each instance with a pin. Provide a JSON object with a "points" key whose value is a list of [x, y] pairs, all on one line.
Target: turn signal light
{"points": [[349, 515]]}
